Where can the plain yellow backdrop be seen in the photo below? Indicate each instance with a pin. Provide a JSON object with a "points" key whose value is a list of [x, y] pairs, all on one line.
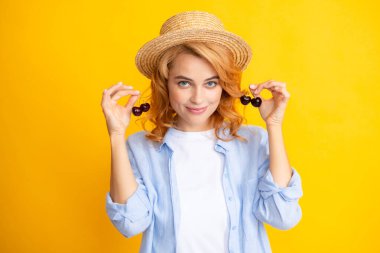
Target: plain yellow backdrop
{"points": [[58, 56]]}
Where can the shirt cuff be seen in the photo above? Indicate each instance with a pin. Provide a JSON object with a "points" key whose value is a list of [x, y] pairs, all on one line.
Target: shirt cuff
{"points": [[135, 208], [267, 187]]}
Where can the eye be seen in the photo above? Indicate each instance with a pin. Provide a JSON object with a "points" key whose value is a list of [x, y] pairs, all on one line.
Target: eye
{"points": [[213, 84], [180, 83]]}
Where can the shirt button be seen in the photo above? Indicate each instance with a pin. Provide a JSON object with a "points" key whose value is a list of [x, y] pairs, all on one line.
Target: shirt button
{"points": [[230, 198]]}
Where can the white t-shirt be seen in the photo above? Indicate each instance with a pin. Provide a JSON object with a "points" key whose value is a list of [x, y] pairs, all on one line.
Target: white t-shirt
{"points": [[199, 169]]}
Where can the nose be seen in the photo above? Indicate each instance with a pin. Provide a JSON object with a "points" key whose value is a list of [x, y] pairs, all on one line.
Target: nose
{"points": [[196, 96]]}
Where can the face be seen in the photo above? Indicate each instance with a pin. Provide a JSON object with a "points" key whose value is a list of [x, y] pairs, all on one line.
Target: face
{"points": [[194, 92]]}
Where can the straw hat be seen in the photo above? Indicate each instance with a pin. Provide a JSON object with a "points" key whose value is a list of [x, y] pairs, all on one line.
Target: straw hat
{"points": [[191, 26]]}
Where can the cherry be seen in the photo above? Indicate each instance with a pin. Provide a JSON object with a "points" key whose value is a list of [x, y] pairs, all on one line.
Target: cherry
{"points": [[245, 99], [256, 102], [136, 111], [145, 107]]}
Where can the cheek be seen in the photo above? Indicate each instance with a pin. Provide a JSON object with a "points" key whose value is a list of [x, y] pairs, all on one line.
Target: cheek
{"points": [[176, 97], [217, 96]]}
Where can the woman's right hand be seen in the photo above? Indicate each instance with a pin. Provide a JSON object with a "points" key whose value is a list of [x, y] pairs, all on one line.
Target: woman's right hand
{"points": [[117, 116]]}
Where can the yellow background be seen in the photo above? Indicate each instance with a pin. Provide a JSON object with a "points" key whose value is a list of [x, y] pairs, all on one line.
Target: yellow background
{"points": [[58, 56]]}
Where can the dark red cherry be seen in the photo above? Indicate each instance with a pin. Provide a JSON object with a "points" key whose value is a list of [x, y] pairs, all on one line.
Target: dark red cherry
{"points": [[245, 99], [145, 107], [256, 102], [136, 111]]}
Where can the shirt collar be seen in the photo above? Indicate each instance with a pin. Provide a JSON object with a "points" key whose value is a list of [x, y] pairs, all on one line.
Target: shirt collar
{"points": [[225, 145]]}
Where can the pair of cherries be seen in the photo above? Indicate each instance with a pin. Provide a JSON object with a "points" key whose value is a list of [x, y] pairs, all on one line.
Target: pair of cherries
{"points": [[138, 110], [256, 102]]}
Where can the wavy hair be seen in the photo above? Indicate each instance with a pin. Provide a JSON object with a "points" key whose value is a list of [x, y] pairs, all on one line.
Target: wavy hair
{"points": [[163, 116]]}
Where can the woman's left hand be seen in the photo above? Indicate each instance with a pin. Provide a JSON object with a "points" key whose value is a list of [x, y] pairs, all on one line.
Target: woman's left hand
{"points": [[272, 110]]}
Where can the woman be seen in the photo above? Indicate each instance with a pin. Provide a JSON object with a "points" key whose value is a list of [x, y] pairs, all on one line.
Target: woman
{"points": [[199, 181]]}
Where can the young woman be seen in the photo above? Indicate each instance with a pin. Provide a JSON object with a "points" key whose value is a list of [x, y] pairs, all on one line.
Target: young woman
{"points": [[200, 180]]}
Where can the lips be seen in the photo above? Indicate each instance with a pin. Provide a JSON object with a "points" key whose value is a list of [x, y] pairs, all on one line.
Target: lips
{"points": [[197, 110]]}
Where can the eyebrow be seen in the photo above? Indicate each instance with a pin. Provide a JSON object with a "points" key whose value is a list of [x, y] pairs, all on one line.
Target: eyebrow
{"points": [[184, 77]]}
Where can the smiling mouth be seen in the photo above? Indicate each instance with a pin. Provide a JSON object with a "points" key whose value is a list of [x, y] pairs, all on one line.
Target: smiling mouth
{"points": [[197, 110]]}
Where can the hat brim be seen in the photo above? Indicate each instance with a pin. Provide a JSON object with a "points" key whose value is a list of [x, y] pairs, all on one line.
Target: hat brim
{"points": [[149, 54]]}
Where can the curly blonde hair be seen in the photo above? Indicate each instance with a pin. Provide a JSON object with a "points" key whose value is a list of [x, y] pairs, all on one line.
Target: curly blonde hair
{"points": [[163, 116]]}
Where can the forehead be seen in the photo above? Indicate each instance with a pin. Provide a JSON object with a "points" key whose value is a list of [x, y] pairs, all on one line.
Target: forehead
{"points": [[189, 64]]}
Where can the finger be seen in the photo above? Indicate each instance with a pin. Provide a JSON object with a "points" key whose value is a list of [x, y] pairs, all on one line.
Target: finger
{"points": [[113, 88], [107, 100], [286, 95], [131, 102], [103, 96], [268, 84], [107, 93], [281, 94], [253, 88], [120, 87], [121, 93], [281, 90]]}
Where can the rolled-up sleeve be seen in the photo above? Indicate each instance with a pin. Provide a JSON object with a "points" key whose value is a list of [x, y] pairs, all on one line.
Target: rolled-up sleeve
{"points": [[275, 205], [135, 215]]}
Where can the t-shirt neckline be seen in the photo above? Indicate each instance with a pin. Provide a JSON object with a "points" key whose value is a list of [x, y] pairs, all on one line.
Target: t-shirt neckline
{"points": [[191, 134]]}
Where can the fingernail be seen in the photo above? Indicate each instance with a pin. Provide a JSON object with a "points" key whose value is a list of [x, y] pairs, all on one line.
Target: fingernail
{"points": [[252, 86]]}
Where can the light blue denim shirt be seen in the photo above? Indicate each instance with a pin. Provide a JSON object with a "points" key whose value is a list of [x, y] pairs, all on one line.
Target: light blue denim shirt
{"points": [[252, 197]]}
